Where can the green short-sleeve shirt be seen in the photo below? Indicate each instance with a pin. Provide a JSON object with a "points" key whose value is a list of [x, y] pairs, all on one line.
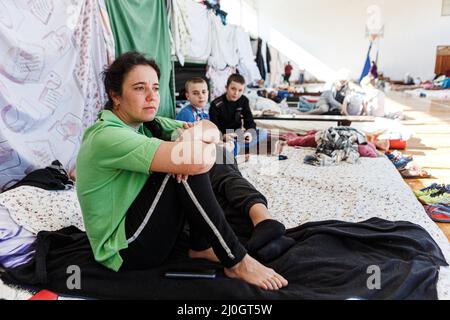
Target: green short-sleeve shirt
{"points": [[112, 167]]}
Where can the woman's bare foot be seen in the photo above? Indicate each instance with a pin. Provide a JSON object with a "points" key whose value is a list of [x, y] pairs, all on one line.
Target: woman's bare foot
{"points": [[253, 272], [207, 254]]}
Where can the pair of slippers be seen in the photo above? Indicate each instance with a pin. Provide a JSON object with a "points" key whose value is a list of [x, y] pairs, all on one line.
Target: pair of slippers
{"points": [[414, 173], [268, 241]]}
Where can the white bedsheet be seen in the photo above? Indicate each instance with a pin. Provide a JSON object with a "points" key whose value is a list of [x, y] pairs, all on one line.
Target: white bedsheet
{"points": [[300, 193]]}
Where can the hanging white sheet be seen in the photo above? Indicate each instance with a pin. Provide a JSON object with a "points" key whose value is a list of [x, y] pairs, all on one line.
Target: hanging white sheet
{"points": [[180, 29], [200, 47], [51, 57], [247, 66], [224, 50]]}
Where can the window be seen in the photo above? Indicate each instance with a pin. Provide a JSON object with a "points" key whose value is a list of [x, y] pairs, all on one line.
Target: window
{"points": [[242, 13], [233, 8], [446, 7]]}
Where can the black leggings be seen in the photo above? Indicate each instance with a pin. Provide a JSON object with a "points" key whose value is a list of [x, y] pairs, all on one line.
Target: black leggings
{"points": [[154, 243], [236, 195]]}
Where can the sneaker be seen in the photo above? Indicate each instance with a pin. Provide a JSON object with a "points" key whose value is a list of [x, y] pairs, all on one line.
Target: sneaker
{"points": [[394, 155], [438, 213], [434, 188], [440, 197], [401, 163]]}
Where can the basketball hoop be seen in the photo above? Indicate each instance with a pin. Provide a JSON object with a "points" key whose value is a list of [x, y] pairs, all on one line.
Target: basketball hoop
{"points": [[373, 37], [374, 23]]}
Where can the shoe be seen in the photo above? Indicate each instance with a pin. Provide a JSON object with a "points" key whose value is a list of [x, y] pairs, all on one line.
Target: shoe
{"points": [[440, 197], [434, 188], [414, 174], [399, 160], [395, 155], [438, 213], [401, 163]]}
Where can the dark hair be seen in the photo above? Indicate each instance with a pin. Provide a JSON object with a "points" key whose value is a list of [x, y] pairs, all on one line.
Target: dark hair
{"points": [[114, 74], [194, 80], [236, 78]]}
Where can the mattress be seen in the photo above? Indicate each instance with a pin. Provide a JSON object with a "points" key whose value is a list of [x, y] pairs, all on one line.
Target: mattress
{"points": [[347, 192]]}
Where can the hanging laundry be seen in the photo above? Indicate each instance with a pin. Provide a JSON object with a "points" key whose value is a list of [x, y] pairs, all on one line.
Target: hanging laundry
{"points": [[224, 50], [215, 7], [180, 29], [268, 58], [260, 59], [200, 47], [107, 32], [247, 66], [276, 67], [218, 80], [50, 83], [153, 39]]}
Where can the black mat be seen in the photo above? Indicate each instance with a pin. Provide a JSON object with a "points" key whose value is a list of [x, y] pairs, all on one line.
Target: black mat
{"points": [[331, 260]]}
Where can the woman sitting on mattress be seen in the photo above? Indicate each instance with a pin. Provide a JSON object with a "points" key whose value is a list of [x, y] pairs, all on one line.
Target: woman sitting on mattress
{"points": [[127, 174]]}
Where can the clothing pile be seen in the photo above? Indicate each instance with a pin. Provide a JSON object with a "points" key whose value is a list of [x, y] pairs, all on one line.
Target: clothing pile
{"points": [[308, 140], [436, 200], [337, 144]]}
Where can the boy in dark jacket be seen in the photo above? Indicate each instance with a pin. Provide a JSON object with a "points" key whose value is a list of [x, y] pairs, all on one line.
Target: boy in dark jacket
{"points": [[232, 115]]}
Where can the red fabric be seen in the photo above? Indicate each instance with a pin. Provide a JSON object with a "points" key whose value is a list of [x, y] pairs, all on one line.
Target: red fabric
{"points": [[397, 144], [311, 99], [367, 150], [44, 295], [308, 140]]}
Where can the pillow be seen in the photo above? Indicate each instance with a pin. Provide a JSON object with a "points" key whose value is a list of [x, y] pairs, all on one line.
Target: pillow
{"points": [[38, 209]]}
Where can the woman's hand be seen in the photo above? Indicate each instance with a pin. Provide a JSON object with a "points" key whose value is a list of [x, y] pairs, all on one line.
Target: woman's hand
{"points": [[181, 177], [188, 125]]}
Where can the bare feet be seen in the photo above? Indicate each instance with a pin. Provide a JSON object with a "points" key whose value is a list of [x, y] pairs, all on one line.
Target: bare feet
{"points": [[253, 272], [207, 254]]}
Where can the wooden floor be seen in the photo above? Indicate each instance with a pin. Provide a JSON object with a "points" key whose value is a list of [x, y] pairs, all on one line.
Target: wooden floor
{"points": [[430, 146]]}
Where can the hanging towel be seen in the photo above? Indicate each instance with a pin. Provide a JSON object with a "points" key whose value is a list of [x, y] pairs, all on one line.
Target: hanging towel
{"points": [[142, 26]]}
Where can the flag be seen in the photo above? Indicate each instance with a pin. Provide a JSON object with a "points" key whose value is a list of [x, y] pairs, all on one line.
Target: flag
{"points": [[366, 69]]}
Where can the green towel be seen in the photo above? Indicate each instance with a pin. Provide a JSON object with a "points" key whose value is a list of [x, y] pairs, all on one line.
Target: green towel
{"points": [[142, 25]]}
